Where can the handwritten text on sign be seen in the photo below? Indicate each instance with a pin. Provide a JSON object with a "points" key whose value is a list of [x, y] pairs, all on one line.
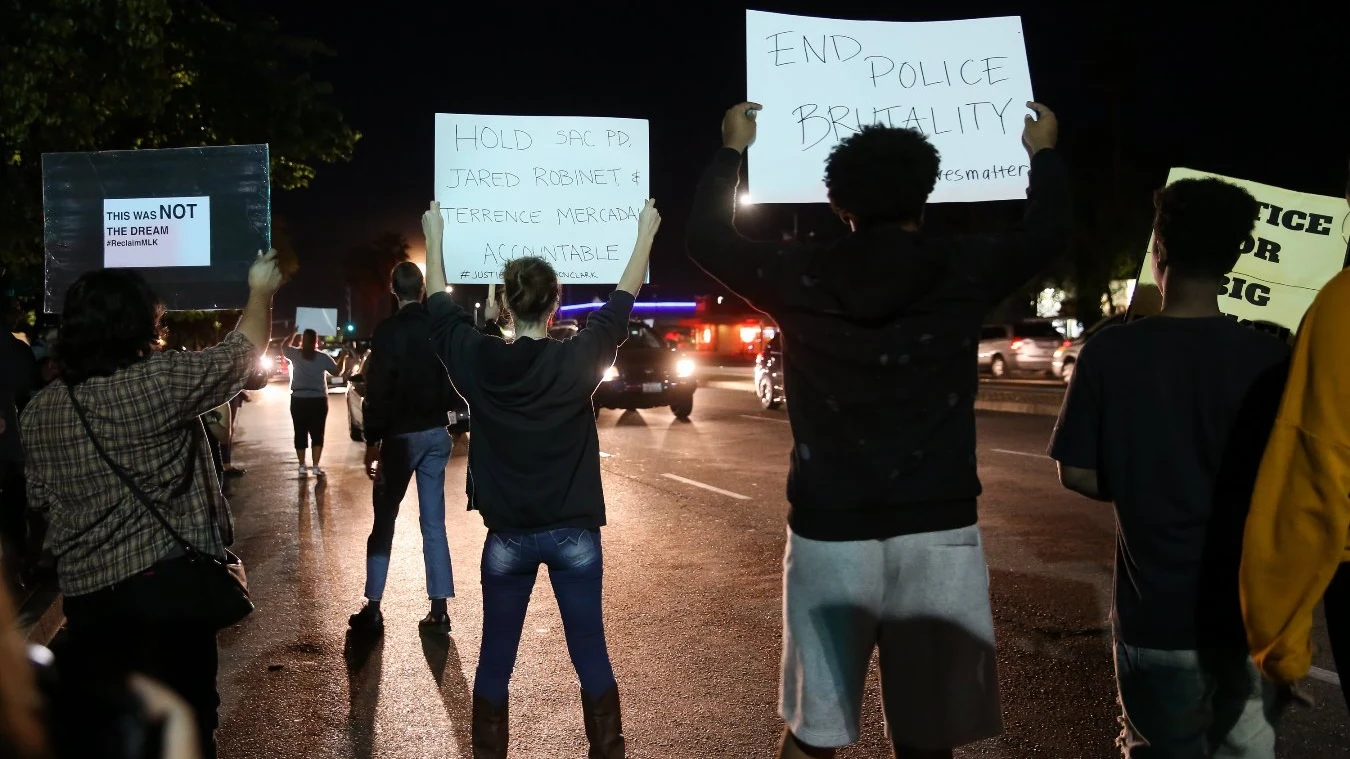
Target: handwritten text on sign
{"points": [[1294, 250], [964, 84], [156, 232], [565, 189]]}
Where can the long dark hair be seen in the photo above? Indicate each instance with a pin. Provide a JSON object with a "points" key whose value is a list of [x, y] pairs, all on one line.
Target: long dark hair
{"points": [[307, 343], [112, 319]]}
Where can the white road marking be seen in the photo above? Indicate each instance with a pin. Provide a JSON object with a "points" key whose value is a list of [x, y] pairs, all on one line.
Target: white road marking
{"points": [[764, 418], [698, 484], [1325, 675], [1020, 453]]}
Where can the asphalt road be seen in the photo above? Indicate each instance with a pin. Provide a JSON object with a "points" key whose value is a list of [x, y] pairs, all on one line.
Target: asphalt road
{"points": [[693, 561]]}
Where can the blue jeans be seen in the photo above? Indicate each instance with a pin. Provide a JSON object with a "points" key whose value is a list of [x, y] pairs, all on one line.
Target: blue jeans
{"points": [[426, 454], [1194, 704], [576, 568]]}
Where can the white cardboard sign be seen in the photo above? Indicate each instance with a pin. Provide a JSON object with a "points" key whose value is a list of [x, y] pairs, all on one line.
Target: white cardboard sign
{"points": [[323, 321], [156, 232], [964, 84], [567, 189], [1294, 250]]}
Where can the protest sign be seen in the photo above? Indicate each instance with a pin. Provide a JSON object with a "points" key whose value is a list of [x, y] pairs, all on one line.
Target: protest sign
{"points": [[1294, 250], [565, 189], [321, 320], [964, 84], [189, 220]]}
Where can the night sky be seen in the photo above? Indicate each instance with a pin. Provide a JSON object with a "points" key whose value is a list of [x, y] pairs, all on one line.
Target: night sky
{"points": [[1260, 94]]}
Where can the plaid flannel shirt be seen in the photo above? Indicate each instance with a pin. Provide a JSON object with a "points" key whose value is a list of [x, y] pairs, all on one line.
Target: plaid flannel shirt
{"points": [[147, 417]]}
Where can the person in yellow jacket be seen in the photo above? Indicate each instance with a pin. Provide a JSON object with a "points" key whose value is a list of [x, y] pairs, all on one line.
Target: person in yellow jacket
{"points": [[1296, 550]]}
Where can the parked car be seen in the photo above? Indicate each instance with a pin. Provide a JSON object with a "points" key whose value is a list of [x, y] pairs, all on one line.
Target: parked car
{"points": [[647, 374], [337, 350], [1067, 355], [769, 374], [457, 419], [1026, 347]]}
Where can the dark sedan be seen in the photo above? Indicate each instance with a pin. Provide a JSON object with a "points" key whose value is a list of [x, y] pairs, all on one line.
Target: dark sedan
{"points": [[647, 374]]}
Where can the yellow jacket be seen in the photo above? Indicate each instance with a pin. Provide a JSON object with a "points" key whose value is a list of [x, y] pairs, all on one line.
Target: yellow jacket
{"points": [[1298, 531]]}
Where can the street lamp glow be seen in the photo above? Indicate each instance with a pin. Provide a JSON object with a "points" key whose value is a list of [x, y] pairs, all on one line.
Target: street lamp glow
{"points": [[449, 288], [478, 305], [745, 199]]}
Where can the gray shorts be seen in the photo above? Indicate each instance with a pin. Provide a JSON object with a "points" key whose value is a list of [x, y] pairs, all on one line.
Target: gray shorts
{"points": [[923, 601]]}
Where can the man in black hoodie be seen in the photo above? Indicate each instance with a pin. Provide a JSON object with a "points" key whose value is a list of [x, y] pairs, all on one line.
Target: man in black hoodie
{"points": [[880, 335], [405, 412]]}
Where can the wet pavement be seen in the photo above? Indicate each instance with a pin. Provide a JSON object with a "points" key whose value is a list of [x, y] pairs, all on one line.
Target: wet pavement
{"points": [[693, 560]]}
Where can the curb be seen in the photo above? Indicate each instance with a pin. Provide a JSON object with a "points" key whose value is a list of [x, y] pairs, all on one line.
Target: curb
{"points": [[1011, 407]]}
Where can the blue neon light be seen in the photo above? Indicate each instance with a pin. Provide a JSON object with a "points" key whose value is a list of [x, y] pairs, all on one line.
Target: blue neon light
{"points": [[658, 306]]}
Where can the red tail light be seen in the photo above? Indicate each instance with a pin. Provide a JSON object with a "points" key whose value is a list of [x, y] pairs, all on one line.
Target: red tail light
{"points": [[1066, 343], [1016, 344]]}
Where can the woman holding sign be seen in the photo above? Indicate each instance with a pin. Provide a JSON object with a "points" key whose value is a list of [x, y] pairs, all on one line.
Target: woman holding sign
{"points": [[309, 396], [534, 473]]}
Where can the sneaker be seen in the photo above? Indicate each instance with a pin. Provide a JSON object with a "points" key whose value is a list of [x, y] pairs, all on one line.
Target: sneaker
{"points": [[304, 471], [368, 619], [318, 472], [435, 624]]}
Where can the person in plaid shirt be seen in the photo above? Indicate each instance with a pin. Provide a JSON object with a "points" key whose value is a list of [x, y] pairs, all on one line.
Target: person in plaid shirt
{"points": [[145, 408]]}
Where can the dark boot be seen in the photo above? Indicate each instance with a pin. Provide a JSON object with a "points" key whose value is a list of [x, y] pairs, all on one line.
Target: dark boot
{"points": [[489, 729], [604, 728]]}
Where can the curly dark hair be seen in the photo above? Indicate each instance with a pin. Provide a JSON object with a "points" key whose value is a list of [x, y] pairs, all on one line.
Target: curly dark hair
{"points": [[882, 174], [531, 289], [1202, 224], [112, 319]]}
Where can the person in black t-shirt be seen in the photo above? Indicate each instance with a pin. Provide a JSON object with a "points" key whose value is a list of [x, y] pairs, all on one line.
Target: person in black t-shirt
{"points": [[534, 473], [1167, 418]]}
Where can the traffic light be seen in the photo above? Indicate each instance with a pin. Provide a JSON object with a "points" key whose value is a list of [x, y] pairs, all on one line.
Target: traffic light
{"points": [[351, 327]]}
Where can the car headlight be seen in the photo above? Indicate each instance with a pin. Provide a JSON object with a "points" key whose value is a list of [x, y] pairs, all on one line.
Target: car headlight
{"points": [[1059, 353], [684, 367], [266, 363], [611, 373]]}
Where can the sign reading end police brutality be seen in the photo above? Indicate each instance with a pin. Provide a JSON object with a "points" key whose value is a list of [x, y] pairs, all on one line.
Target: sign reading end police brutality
{"points": [[1294, 249], [964, 84], [565, 189]]}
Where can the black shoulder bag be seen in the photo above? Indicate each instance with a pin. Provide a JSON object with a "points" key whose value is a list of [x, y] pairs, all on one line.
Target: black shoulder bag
{"points": [[197, 587]]}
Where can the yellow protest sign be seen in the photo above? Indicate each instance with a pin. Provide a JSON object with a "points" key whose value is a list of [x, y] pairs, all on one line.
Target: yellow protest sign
{"points": [[1295, 248]]}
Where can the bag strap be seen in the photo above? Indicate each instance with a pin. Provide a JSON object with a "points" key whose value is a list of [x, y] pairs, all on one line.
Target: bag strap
{"points": [[125, 477]]}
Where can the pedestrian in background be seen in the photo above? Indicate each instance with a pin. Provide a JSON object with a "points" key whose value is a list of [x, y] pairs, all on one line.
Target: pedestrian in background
{"points": [[534, 474], [1166, 418], [309, 397]]}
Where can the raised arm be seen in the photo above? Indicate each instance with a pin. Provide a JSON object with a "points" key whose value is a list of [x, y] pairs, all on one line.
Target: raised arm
{"points": [[749, 268], [1043, 234], [452, 329], [198, 382], [597, 345], [649, 220]]}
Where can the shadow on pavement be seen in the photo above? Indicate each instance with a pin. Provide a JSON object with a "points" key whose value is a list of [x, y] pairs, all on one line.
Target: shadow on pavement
{"points": [[443, 660], [365, 665]]}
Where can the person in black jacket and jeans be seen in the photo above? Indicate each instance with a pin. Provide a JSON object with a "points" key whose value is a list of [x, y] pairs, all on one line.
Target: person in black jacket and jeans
{"points": [[880, 336], [534, 473], [405, 412]]}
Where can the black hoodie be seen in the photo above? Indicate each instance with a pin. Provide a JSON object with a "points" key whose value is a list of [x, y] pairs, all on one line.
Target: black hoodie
{"points": [[880, 342], [534, 456]]}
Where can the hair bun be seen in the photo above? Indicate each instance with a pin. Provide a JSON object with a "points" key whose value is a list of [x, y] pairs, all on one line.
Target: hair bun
{"points": [[531, 289]]}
